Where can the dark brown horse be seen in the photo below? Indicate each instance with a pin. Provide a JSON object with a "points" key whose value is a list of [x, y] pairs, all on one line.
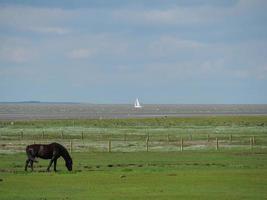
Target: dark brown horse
{"points": [[47, 151]]}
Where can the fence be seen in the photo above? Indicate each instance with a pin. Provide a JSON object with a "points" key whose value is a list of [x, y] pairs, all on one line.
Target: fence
{"points": [[105, 142]]}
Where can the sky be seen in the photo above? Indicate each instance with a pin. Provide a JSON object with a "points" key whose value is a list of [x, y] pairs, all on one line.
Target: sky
{"points": [[113, 51]]}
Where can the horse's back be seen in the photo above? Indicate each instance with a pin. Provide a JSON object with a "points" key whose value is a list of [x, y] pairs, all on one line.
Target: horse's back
{"points": [[32, 147], [57, 146], [44, 151]]}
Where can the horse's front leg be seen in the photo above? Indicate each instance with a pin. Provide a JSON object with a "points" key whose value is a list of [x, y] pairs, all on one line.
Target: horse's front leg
{"points": [[55, 165], [50, 163]]}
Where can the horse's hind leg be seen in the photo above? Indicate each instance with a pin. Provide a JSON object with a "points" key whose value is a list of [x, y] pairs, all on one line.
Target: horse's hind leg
{"points": [[31, 163], [26, 164]]}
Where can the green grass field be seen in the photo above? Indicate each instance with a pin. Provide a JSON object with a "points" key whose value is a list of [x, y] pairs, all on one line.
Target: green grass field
{"points": [[235, 171], [141, 175]]}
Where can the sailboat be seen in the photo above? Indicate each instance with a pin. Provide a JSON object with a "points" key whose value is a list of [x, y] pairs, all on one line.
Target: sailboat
{"points": [[137, 104]]}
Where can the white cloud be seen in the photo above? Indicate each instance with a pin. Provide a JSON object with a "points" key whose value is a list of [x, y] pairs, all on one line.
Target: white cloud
{"points": [[42, 20], [80, 53], [124, 46], [257, 72], [188, 15], [98, 46], [16, 54], [17, 50], [172, 16], [168, 45], [50, 30], [262, 72]]}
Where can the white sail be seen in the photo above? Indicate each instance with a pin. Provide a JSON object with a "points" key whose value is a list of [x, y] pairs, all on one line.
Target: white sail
{"points": [[137, 104]]}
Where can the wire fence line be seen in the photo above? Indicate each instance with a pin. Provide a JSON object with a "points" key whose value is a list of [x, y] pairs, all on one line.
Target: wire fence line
{"points": [[147, 142]]}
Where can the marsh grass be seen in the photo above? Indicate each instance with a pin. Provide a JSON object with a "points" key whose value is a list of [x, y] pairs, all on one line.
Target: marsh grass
{"points": [[128, 135]]}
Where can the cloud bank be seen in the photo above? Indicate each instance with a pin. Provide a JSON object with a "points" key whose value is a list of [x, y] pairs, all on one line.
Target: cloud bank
{"points": [[175, 49]]}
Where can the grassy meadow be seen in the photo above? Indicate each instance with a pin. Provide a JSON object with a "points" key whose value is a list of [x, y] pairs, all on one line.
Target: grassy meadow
{"points": [[236, 170]]}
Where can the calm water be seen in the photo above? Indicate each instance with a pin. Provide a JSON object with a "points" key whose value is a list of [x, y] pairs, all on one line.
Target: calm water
{"points": [[65, 111]]}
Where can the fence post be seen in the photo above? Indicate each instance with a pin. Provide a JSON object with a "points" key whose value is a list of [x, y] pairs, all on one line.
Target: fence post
{"points": [[217, 144], [62, 135], [70, 146], [82, 135], [230, 138], [253, 140], [251, 143], [21, 135], [181, 144], [109, 145], [147, 146], [208, 137]]}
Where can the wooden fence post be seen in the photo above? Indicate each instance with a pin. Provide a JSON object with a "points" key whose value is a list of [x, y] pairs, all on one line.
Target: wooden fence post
{"points": [[21, 135], [109, 146], [251, 143], [147, 146], [70, 146], [230, 138], [82, 135], [208, 137], [217, 144], [181, 144], [253, 140]]}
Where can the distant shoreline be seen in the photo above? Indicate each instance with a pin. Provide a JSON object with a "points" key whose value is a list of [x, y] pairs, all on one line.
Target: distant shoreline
{"points": [[32, 111], [88, 103]]}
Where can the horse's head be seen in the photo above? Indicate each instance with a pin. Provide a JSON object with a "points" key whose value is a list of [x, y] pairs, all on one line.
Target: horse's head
{"points": [[69, 164]]}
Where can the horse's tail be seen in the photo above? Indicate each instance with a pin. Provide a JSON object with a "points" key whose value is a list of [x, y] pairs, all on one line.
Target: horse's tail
{"points": [[30, 153]]}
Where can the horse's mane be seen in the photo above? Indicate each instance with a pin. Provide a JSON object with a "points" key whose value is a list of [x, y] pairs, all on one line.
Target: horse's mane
{"points": [[65, 153]]}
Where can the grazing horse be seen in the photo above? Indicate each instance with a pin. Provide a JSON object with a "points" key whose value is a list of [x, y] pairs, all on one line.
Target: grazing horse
{"points": [[47, 151]]}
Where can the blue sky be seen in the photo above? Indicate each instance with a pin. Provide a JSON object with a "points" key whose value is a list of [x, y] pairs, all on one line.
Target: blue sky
{"points": [[112, 51]]}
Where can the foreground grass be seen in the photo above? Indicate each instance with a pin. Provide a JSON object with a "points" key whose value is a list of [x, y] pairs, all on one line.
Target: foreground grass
{"points": [[140, 175]]}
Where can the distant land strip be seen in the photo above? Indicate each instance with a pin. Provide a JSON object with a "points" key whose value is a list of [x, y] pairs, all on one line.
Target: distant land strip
{"points": [[33, 110]]}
